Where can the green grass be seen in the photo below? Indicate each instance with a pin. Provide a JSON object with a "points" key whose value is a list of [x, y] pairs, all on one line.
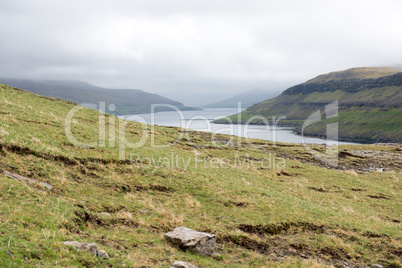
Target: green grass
{"points": [[279, 191]]}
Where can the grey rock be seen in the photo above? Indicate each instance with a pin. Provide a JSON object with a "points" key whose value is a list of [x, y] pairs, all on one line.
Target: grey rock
{"points": [[105, 214], [191, 240], [182, 264], [375, 265], [22, 178], [90, 247], [102, 254]]}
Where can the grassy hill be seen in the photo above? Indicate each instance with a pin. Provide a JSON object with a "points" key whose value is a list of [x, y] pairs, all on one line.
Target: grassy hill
{"points": [[260, 199], [126, 101], [369, 100]]}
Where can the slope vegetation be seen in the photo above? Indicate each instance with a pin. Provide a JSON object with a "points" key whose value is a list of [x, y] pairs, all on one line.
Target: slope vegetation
{"points": [[262, 200], [369, 105]]}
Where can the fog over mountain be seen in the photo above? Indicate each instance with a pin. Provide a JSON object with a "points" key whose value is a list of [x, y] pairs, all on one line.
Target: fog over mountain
{"points": [[192, 50]]}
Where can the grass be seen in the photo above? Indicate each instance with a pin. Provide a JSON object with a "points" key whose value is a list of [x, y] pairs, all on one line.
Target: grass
{"points": [[259, 198]]}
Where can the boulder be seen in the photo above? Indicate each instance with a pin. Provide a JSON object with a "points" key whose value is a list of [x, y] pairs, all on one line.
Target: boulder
{"points": [[182, 264], [196, 242]]}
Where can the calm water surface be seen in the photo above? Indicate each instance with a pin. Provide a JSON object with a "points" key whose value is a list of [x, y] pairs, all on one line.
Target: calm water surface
{"points": [[202, 120]]}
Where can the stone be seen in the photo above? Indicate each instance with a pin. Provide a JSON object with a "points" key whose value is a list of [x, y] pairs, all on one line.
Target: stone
{"points": [[22, 178], [90, 247], [375, 265], [182, 264], [102, 254], [191, 240], [105, 214], [290, 252]]}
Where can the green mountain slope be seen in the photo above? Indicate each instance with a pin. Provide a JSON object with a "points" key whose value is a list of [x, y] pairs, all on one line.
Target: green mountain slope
{"points": [[126, 101], [246, 99], [261, 200], [369, 105]]}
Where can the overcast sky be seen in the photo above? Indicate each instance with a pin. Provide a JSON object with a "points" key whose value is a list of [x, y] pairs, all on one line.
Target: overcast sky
{"points": [[192, 50]]}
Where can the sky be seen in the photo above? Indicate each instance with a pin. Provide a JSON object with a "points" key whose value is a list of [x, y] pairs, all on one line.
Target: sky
{"points": [[197, 52]]}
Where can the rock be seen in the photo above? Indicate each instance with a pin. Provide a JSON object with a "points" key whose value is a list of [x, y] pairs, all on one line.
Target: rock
{"points": [[22, 178], [196, 242], [290, 252], [105, 214], [182, 264], [102, 254], [144, 211], [91, 247], [375, 265]]}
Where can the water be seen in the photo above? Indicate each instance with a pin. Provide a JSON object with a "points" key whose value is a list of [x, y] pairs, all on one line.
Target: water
{"points": [[202, 121]]}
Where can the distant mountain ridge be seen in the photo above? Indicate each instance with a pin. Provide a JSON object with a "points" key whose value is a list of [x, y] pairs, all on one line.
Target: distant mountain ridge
{"points": [[369, 103], [126, 101], [246, 99]]}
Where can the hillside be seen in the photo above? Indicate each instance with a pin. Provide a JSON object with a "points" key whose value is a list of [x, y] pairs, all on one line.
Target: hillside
{"points": [[126, 101], [269, 205], [246, 99], [369, 105]]}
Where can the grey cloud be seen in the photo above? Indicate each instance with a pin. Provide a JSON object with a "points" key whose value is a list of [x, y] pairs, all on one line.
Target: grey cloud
{"points": [[192, 49]]}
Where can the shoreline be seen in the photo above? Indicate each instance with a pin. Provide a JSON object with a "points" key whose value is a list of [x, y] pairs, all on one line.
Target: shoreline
{"points": [[297, 131]]}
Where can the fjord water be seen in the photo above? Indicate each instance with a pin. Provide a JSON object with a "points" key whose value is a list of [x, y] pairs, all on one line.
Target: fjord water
{"points": [[202, 120]]}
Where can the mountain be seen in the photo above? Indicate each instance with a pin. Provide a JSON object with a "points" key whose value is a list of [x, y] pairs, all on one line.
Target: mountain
{"points": [[126, 101], [246, 99], [269, 206], [369, 105]]}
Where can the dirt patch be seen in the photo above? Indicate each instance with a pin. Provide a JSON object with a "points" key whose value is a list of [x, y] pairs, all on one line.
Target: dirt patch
{"points": [[358, 190], [374, 235], [283, 172], [272, 229], [236, 204], [335, 253], [153, 187], [379, 196], [27, 151], [245, 242], [319, 189], [85, 217]]}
